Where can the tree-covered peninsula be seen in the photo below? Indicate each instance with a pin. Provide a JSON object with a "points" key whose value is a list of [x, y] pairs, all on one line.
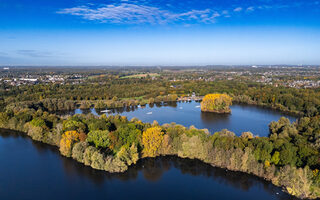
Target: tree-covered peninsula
{"points": [[218, 103], [289, 157]]}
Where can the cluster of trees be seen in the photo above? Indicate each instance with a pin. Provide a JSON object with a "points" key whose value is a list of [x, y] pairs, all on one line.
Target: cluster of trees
{"points": [[288, 157], [115, 103], [57, 104], [110, 143], [50, 105], [218, 103]]}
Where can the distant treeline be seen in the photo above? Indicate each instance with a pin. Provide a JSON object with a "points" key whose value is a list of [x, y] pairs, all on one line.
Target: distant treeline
{"points": [[52, 105], [126, 92]]}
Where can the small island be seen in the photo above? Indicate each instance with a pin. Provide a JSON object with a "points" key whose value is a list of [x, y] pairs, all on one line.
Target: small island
{"points": [[217, 103]]}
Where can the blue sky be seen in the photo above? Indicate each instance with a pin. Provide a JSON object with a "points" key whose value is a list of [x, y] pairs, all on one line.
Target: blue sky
{"points": [[159, 32]]}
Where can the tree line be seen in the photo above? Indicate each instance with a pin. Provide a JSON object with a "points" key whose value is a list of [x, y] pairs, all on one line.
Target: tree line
{"points": [[122, 92]]}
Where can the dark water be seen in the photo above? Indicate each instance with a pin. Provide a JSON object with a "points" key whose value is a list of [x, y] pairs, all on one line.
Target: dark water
{"points": [[32, 170], [243, 117]]}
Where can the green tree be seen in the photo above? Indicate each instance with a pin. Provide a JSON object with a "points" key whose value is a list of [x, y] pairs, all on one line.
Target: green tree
{"points": [[99, 138]]}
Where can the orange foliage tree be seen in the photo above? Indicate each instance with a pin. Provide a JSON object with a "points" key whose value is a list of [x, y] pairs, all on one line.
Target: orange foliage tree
{"points": [[216, 103], [69, 138], [151, 140]]}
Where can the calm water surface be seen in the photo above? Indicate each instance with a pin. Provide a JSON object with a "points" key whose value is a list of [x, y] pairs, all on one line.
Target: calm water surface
{"points": [[243, 117], [32, 170]]}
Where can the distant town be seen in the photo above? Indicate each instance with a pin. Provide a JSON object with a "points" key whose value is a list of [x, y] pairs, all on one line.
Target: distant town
{"points": [[287, 76]]}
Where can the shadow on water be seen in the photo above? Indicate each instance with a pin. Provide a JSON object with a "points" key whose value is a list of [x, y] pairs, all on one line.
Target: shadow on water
{"points": [[208, 118], [267, 109], [85, 111], [153, 170]]}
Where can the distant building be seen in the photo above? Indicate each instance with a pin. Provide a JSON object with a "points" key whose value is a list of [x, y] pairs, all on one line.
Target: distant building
{"points": [[6, 68], [29, 79]]}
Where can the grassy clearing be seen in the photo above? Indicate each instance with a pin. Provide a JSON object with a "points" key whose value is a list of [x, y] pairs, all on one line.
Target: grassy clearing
{"points": [[135, 98], [141, 75]]}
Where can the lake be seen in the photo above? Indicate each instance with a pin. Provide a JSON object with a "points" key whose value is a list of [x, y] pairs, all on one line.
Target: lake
{"points": [[32, 170], [242, 118]]}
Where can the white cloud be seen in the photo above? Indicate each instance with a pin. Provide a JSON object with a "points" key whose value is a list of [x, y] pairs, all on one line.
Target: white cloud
{"points": [[238, 9], [249, 9], [128, 13]]}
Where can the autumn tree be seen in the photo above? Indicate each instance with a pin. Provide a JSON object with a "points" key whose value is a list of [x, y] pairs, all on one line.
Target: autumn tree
{"points": [[69, 138], [151, 140], [128, 155], [218, 103]]}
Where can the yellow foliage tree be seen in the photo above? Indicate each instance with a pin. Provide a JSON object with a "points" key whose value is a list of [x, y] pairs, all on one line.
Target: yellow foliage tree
{"points": [[151, 140], [69, 138], [266, 164], [216, 103]]}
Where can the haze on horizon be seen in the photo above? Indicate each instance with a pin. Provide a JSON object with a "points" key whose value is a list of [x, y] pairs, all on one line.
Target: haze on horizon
{"points": [[166, 32]]}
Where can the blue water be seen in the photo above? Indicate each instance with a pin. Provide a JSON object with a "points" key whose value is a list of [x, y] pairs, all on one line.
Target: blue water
{"points": [[242, 118]]}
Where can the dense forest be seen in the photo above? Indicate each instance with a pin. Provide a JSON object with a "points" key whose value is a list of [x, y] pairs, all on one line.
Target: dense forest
{"points": [[129, 92]]}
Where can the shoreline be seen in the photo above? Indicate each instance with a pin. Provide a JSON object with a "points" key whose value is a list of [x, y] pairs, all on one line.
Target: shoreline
{"points": [[293, 113]]}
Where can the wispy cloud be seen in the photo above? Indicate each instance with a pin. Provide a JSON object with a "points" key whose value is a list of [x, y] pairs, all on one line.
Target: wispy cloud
{"points": [[250, 9], [238, 9], [141, 12], [129, 13]]}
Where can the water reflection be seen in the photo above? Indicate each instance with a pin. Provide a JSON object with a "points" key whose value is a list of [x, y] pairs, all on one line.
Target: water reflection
{"points": [[208, 118], [153, 170], [85, 111]]}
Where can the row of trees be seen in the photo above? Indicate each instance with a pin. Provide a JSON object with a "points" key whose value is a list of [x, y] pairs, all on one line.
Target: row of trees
{"points": [[110, 92], [53, 105]]}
